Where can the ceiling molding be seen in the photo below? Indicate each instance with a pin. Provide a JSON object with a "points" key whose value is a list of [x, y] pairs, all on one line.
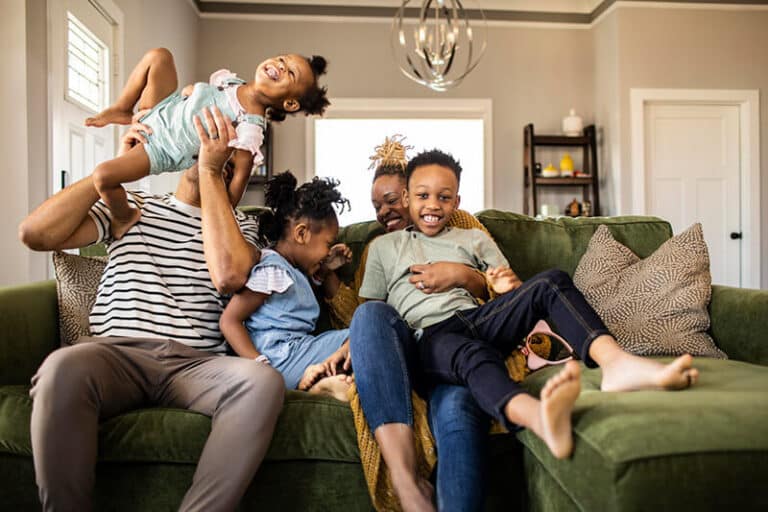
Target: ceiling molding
{"points": [[251, 9]]}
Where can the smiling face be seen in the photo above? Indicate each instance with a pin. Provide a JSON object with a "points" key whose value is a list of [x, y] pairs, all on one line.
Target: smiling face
{"points": [[283, 80], [432, 196], [315, 243], [387, 199]]}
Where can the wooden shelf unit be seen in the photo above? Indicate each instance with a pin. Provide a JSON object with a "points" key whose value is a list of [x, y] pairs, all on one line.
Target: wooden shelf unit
{"points": [[590, 188]]}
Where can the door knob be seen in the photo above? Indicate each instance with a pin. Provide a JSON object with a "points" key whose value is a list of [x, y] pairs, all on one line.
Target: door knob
{"points": [[735, 236]]}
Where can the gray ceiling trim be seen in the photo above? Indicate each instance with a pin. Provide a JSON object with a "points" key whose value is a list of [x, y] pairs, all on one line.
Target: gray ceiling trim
{"points": [[388, 12], [379, 12]]}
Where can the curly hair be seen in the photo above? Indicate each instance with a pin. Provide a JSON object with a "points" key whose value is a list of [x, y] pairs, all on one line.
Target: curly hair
{"points": [[315, 99], [390, 158], [433, 157], [314, 200]]}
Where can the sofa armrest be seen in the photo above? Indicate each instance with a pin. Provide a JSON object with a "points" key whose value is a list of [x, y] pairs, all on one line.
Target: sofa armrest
{"points": [[29, 329], [738, 317]]}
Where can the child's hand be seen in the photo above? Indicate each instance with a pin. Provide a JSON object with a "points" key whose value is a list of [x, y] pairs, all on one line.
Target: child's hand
{"points": [[338, 362], [338, 256], [134, 136], [502, 279], [312, 374], [214, 151]]}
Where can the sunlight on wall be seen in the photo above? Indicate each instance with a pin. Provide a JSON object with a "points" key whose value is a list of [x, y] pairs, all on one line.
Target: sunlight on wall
{"points": [[343, 148]]}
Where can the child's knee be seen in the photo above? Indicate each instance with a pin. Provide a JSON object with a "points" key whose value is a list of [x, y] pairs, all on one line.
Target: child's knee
{"points": [[104, 176], [160, 56]]}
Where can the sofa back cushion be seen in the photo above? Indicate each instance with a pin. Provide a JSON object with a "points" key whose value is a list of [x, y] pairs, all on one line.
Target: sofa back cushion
{"points": [[532, 246]]}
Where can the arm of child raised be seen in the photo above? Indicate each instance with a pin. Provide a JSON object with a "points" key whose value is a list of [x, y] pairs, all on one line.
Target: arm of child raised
{"points": [[338, 256]]}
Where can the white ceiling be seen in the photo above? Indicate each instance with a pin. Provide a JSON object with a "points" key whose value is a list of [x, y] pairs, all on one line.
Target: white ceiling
{"points": [[565, 6]]}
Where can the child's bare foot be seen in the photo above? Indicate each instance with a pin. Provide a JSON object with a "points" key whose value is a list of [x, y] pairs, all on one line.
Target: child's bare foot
{"points": [[414, 496], [120, 227], [335, 386], [631, 373], [111, 115], [557, 399]]}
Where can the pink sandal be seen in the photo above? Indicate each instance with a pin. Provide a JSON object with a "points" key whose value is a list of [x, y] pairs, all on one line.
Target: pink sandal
{"points": [[534, 360]]}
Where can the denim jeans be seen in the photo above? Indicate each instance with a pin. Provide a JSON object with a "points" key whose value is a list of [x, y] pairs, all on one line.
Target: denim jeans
{"points": [[385, 359], [469, 348]]}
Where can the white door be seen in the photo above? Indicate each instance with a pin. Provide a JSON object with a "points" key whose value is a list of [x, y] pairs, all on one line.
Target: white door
{"points": [[693, 174], [81, 66]]}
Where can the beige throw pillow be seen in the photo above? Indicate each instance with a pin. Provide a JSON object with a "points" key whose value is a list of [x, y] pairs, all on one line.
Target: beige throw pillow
{"points": [[77, 280], [656, 306]]}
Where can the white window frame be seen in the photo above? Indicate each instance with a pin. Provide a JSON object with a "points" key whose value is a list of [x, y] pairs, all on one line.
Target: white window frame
{"points": [[105, 74], [413, 108]]}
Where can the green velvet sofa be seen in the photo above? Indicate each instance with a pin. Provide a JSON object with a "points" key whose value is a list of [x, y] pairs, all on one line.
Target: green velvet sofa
{"points": [[702, 449]]}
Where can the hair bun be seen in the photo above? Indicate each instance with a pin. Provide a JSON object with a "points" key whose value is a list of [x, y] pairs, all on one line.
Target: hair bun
{"points": [[280, 191], [391, 153], [318, 64]]}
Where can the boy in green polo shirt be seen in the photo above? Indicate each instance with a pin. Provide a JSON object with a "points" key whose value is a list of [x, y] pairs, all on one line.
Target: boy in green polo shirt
{"points": [[459, 342]]}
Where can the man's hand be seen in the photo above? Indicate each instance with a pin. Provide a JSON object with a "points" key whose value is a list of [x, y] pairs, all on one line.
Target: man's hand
{"points": [[502, 279], [338, 256], [214, 151]]}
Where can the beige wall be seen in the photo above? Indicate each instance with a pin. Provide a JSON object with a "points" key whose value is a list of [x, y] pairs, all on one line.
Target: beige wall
{"points": [[14, 193], [24, 100], [172, 24], [694, 49], [531, 74]]}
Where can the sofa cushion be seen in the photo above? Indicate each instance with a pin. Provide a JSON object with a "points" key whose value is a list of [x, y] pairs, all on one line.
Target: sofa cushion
{"points": [[161, 434], [77, 281], [655, 306], [680, 450], [532, 246]]}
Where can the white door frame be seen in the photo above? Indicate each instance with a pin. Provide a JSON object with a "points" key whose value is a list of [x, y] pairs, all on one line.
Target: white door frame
{"points": [[748, 102], [114, 14], [414, 108]]}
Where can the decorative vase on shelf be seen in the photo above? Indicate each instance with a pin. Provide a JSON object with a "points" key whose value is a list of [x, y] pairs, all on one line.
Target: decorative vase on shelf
{"points": [[572, 125], [566, 166]]}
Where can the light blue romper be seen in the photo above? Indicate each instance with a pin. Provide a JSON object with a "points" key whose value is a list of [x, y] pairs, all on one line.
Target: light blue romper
{"points": [[173, 144], [280, 329]]}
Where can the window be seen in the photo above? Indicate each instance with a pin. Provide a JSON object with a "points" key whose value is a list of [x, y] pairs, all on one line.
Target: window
{"points": [[344, 141], [87, 64]]}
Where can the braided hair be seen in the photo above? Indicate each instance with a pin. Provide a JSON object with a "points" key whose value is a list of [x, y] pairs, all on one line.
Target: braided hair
{"points": [[390, 157], [315, 100], [314, 200]]}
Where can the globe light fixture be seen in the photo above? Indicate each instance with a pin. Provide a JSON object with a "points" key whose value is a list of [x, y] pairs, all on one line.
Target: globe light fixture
{"points": [[439, 47]]}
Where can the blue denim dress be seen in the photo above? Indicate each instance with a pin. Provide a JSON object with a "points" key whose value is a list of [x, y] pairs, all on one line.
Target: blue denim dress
{"points": [[280, 329]]}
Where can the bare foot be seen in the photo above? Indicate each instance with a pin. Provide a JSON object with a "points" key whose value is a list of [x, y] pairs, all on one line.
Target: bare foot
{"points": [[111, 115], [120, 227], [557, 399], [414, 496], [335, 386], [631, 373]]}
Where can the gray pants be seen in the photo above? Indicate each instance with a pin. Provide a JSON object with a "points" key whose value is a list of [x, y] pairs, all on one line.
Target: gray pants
{"points": [[76, 387]]}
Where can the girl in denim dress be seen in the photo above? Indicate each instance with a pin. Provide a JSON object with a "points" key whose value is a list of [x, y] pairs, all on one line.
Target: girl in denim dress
{"points": [[272, 318]]}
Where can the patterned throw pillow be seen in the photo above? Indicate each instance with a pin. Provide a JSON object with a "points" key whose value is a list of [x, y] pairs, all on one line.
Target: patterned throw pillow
{"points": [[77, 280], [656, 306]]}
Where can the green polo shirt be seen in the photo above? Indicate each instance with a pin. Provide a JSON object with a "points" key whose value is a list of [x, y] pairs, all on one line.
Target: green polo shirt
{"points": [[390, 257]]}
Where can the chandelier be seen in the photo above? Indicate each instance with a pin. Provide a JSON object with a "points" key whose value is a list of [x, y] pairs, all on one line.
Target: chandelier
{"points": [[438, 48]]}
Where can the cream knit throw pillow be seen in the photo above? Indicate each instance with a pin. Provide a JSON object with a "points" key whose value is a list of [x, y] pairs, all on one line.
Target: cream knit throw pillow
{"points": [[656, 306]]}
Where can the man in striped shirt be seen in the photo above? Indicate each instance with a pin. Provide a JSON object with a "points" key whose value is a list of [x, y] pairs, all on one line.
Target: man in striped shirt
{"points": [[156, 334]]}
